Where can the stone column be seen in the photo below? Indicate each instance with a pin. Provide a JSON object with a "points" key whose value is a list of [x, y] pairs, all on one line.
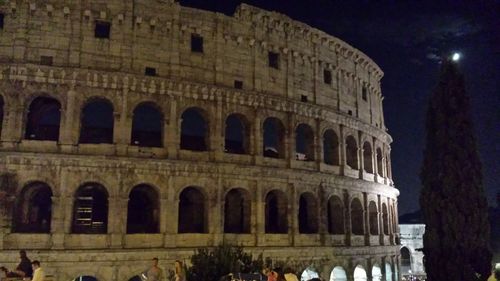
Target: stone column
{"points": [[121, 125], [366, 219], [260, 213], [117, 220], [342, 149], [347, 218], [258, 141], [290, 139], [217, 132], [215, 216], [293, 211], [70, 124], [361, 162], [57, 223], [318, 148], [171, 134]]}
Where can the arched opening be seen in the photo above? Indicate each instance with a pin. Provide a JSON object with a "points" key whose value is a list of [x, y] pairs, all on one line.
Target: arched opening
{"points": [[367, 158], [380, 168], [276, 212], [351, 152], [385, 219], [1, 115], [147, 126], [308, 214], [376, 273], [338, 274], [335, 216], [43, 119], [274, 135], [388, 167], [405, 260], [90, 209], [304, 143], [388, 272], [360, 274], [331, 148], [236, 135], [194, 130], [237, 211], [85, 278], [33, 212], [357, 220], [143, 210], [373, 216], [97, 122], [192, 218], [308, 274]]}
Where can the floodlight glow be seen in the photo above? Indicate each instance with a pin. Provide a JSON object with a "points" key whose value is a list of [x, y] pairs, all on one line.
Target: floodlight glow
{"points": [[455, 57]]}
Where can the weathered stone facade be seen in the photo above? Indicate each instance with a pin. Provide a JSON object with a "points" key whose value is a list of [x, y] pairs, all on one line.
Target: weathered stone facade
{"points": [[320, 191]]}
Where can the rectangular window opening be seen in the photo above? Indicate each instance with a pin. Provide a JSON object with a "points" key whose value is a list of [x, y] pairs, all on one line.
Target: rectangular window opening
{"points": [[349, 112], [46, 60], [364, 94], [102, 29], [274, 60], [238, 84], [1, 20], [327, 77], [303, 98], [150, 71], [196, 43]]}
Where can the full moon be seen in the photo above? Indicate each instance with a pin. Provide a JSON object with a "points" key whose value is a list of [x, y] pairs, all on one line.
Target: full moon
{"points": [[455, 57]]}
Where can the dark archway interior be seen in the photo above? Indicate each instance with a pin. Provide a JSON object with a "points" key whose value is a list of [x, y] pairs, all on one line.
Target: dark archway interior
{"points": [[143, 210], [304, 143], [191, 211], [373, 214], [194, 130], [335, 216], [367, 158], [385, 219], [90, 213], [43, 119], [33, 212], [357, 217], [308, 214], [237, 212], [380, 169], [276, 213], [274, 133], [147, 126], [351, 152], [97, 122], [236, 135], [331, 148]]}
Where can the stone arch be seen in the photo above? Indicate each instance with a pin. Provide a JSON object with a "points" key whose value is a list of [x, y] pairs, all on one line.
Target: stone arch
{"points": [[304, 142], [195, 129], [360, 273], [367, 157], [331, 151], [97, 121], [308, 274], [192, 216], [237, 211], [338, 274], [147, 125], [357, 219], [376, 273], [237, 134], [90, 209], [351, 152], [43, 119], [373, 217], [33, 209], [335, 215], [276, 212], [405, 260], [385, 219], [143, 210], [380, 168], [274, 138], [388, 272], [308, 213]]}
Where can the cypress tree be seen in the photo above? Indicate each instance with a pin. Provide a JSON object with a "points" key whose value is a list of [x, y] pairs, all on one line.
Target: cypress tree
{"points": [[455, 209]]}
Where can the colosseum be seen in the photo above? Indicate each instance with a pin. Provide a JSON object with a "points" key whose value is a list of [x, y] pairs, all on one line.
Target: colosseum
{"points": [[140, 129]]}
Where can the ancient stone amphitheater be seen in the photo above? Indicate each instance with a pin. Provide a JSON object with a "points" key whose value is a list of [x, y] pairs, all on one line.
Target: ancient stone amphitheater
{"points": [[140, 129]]}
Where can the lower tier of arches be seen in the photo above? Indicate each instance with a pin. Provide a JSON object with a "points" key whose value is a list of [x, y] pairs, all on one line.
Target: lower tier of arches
{"points": [[340, 264]]}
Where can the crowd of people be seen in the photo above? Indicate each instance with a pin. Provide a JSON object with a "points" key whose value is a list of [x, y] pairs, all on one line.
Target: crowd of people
{"points": [[26, 270]]}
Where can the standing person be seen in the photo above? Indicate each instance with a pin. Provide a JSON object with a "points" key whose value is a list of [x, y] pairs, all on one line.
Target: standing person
{"points": [[154, 273], [38, 274], [179, 271], [289, 275], [23, 269], [271, 274]]}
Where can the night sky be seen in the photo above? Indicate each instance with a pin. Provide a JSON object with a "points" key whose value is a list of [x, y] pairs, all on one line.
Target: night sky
{"points": [[406, 39]]}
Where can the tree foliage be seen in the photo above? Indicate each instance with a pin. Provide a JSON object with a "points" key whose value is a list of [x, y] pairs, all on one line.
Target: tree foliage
{"points": [[212, 264], [452, 199]]}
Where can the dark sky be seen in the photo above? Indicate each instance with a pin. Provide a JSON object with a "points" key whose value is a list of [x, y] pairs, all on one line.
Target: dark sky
{"points": [[406, 39]]}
